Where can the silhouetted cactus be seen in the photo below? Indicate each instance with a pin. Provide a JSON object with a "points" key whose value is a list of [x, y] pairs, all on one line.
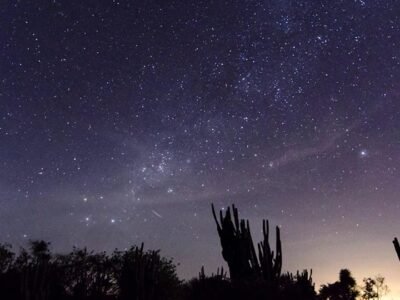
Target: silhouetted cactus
{"points": [[237, 245], [305, 278], [299, 286], [239, 252], [397, 247], [221, 274], [271, 265]]}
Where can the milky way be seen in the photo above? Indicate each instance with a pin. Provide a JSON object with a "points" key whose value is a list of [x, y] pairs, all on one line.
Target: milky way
{"points": [[121, 122]]}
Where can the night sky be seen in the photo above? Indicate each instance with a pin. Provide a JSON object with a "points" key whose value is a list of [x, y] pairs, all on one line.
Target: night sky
{"points": [[120, 122]]}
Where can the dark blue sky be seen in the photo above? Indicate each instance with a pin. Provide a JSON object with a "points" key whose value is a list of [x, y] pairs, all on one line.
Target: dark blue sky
{"points": [[121, 122]]}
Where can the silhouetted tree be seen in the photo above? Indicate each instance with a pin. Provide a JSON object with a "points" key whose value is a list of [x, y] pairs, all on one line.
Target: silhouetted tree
{"points": [[6, 258], [368, 291], [87, 275], [38, 273], [344, 289], [374, 288], [9, 276]]}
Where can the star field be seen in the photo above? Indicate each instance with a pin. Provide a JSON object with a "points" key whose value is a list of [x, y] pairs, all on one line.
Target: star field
{"points": [[121, 122]]}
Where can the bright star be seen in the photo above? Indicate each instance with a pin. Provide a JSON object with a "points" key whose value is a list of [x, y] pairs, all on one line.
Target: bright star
{"points": [[363, 153]]}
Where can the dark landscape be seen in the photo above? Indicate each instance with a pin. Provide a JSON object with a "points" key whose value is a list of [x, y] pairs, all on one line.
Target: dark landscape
{"points": [[138, 274]]}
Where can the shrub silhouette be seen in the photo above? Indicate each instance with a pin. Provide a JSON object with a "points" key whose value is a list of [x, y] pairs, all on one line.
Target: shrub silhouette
{"points": [[374, 288], [344, 289], [87, 275]]}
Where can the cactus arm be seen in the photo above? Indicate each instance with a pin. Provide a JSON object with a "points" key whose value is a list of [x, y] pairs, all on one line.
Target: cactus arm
{"points": [[215, 218], [397, 247]]}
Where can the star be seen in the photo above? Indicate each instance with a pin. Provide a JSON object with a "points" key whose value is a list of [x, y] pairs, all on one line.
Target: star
{"points": [[363, 153]]}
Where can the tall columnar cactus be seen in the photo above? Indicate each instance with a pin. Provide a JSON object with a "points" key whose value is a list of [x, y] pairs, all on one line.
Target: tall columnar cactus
{"points": [[237, 245], [239, 252], [271, 264]]}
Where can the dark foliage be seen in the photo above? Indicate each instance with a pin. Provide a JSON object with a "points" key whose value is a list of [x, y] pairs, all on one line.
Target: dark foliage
{"points": [[36, 274], [344, 289], [374, 288], [87, 275]]}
